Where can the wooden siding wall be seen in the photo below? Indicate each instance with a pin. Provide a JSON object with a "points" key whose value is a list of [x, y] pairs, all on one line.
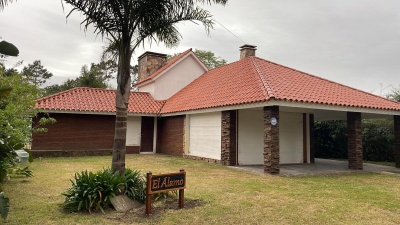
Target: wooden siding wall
{"points": [[75, 134]]}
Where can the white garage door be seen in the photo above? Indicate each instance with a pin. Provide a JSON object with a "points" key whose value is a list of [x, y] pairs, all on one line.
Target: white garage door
{"points": [[205, 135], [291, 137], [251, 137]]}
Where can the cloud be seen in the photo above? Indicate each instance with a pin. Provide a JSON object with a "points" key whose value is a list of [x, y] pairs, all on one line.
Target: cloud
{"points": [[357, 44]]}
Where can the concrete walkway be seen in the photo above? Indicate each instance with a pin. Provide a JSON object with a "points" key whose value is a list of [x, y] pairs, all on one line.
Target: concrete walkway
{"points": [[322, 166]]}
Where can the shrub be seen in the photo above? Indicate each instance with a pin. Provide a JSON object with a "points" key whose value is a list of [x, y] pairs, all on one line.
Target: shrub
{"points": [[93, 191], [377, 138], [4, 205], [330, 139], [135, 185]]}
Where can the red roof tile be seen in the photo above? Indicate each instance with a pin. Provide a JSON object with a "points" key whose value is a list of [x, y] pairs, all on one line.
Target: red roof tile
{"points": [[256, 80], [166, 66], [98, 100], [246, 81]]}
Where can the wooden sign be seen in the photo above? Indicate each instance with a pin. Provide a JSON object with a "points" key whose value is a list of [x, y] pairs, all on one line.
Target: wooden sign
{"points": [[163, 183]]}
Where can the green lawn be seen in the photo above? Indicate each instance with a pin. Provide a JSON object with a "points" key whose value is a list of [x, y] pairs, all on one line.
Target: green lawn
{"points": [[214, 195], [392, 164]]}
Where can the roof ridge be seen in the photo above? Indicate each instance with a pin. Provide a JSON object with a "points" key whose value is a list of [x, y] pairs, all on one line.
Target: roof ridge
{"points": [[321, 78], [269, 93], [72, 89], [55, 94]]}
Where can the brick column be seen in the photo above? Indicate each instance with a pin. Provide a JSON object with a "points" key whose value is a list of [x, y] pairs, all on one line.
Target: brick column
{"points": [[355, 151], [228, 137], [397, 140], [271, 140], [312, 139]]}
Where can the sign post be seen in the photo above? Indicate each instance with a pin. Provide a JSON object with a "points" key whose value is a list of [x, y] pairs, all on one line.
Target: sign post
{"points": [[163, 183]]}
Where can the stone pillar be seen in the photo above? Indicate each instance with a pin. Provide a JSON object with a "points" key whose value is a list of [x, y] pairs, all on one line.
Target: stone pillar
{"points": [[228, 137], [271, 140], [312, 139], [397, 140], [355, 151]]}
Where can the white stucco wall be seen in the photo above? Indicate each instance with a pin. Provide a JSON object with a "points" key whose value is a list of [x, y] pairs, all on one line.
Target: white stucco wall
{"points": [[147, 88], [290, 137], [133, 132], [205, 135], [250, 137], [174, 78]]}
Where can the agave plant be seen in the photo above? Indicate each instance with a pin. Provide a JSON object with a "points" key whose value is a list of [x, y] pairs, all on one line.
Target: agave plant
{"points": [[93, 191]]}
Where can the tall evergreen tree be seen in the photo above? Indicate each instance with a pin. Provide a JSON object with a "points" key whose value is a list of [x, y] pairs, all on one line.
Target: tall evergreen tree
{"points": [[36, 73]]}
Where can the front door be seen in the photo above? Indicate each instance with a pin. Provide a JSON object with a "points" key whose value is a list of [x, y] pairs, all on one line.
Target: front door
{"points": [[146, 141]]}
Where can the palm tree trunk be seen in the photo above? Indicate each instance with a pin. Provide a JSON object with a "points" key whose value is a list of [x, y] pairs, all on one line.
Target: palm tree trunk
{"points": [[121, 100]]}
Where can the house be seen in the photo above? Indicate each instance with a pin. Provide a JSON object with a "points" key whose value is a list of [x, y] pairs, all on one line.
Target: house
{"points": [[249, 112]]}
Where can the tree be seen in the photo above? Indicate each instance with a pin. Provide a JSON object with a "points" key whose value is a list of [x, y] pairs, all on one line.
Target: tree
{"points": [[7, 71], [207, 57], [129, 23], [17, 101], [91, 78], [7, 49], [94, 77], [36, 73], [4, 3], [395, 94], [55, 88]]}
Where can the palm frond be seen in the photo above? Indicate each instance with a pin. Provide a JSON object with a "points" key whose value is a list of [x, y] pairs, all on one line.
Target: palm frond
{"points": [[3, 3]]}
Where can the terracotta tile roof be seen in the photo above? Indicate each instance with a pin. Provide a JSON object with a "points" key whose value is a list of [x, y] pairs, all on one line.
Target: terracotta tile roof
{"points": [[166, 66], [98, 100], [256, 80], [250, 80]]}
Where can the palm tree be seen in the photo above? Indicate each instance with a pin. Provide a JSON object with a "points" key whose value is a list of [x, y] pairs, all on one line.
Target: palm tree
{"points": [[4, 3], [129, 23]]}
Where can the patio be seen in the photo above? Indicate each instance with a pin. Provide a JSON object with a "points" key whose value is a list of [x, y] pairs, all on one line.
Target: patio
{"points": [[322, 166]]}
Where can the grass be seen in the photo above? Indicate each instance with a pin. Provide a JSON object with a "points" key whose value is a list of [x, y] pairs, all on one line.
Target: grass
{"points": [[214, 195]]}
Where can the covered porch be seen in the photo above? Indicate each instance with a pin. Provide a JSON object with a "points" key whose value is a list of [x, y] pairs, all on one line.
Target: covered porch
{"points": [[279, 135]]}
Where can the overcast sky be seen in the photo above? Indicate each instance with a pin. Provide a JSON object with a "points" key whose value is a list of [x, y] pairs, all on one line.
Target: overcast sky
{"points": [[356, 43]]}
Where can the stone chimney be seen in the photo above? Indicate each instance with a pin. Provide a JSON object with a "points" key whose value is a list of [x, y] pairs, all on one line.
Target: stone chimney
{"points": [[150, 62], [247, 50]]}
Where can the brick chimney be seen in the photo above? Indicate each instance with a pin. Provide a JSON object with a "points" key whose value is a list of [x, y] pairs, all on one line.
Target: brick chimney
{"points": [[150, 62], [247, 50]]}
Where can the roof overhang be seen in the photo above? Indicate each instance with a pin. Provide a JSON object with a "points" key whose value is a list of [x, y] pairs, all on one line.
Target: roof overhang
{"points": [[322, 111]]}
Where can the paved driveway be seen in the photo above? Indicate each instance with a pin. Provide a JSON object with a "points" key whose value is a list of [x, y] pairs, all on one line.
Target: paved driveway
{"points": [[322, 166]]}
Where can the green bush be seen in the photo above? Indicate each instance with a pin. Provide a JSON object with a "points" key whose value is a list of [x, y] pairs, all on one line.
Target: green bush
{"points": [[93, 191], [4, 206], [377, 138], [135, 185], [330, 139]]}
